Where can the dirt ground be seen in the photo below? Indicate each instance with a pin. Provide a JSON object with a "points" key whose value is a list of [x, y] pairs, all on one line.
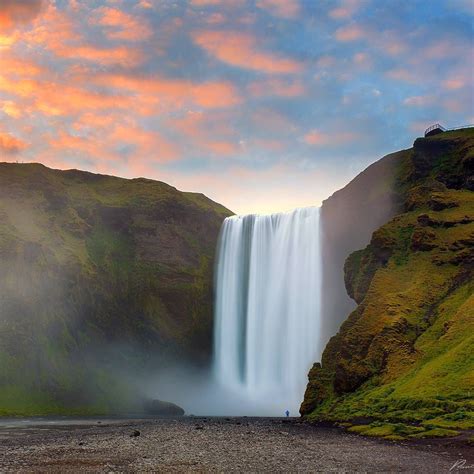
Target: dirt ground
{"points": [[196, 444]]}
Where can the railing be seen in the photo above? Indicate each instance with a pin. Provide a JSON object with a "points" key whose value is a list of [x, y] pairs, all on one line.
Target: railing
{"points": [[434, 127], [437, 126], [462, 126]]}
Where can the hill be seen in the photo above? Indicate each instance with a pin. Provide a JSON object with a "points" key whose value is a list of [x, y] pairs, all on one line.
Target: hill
{"points": [[101, 277], [402, 363]]}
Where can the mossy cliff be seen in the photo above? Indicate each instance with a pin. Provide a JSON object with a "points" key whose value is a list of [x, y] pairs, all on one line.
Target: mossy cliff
{"points": [[404, 358], [99, 276]]}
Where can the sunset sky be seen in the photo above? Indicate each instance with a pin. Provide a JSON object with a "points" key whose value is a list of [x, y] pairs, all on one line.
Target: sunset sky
{"points": [[262, 105]]}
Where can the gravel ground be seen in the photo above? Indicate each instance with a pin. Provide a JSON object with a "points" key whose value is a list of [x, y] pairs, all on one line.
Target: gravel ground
{"points": [[209, 445]]}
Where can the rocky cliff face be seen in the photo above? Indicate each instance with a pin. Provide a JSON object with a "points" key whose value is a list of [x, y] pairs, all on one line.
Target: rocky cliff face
{"points": [[99, 275], [404, 357], [348, 219]]}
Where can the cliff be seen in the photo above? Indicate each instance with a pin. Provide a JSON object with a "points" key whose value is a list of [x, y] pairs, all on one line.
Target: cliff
{"points": [[100, 277], [402, 363], [348, 219]]}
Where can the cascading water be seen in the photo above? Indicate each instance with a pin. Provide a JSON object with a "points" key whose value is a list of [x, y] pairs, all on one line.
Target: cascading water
{"points": [[267, 307]]}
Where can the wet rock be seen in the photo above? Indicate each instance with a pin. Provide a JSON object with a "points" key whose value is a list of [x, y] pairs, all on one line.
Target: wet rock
{"points": [[161, 408]]}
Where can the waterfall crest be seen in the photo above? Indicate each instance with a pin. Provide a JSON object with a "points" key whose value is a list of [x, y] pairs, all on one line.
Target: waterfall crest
{"points": [[267, 314]]}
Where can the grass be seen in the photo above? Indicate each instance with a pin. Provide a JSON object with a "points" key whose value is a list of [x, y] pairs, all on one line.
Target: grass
{"points": [[97, 269], [405, 357]]}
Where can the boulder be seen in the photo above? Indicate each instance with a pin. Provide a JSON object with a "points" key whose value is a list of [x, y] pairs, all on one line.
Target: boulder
{"points": [[161, 408]]}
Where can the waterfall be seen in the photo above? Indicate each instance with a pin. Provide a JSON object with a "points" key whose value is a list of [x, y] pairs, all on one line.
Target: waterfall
{"points": [[267, 313]]}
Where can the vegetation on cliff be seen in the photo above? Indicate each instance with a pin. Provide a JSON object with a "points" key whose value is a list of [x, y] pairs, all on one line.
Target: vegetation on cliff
{"points": [[403, 361], [100, 277]]}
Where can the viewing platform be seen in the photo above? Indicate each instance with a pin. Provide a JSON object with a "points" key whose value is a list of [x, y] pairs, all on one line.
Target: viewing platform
{"points": [[437, 129]]}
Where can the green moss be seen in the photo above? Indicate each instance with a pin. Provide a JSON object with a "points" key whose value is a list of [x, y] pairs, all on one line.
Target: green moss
{"points": [[406, 354], [100, 275], [435, 433]]}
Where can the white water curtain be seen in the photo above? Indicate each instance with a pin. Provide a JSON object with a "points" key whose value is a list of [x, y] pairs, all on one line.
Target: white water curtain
{"points": [[267, 311]]}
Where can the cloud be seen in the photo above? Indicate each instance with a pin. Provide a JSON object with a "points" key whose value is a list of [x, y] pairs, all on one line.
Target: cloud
{"points": [[332, 138], [241, 50], [314, 137], [454, 83], [402, 74], [345, 10], [9, 145], [120, 55], [351, 32], [281, 8], [13, 12], [120, 25], [176, 93], [11, 109], [419, 100], [209, 132]]}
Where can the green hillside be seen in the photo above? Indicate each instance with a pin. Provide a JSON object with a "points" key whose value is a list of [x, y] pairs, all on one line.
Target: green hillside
{"points": [[100, 277], [402, 363]]}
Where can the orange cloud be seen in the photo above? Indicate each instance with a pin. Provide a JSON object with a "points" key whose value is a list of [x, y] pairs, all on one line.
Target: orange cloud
{"points": [[11, 109], [122, 26], [209, 132], [240, 50], [149, 145], [56, 31], [15, 11], [19, 67], [281, 8], [9, 145], [350, 33], [177, 92], [104, 56]]}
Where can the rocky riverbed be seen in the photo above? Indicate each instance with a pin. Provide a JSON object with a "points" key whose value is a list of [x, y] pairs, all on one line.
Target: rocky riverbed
{"points": [[211, 445]]}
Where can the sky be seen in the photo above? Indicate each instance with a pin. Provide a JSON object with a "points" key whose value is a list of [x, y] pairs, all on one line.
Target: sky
{"points": [[262, 105]]}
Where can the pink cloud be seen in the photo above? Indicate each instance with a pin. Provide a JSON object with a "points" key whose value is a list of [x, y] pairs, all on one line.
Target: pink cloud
{"points": [[345, 10], [315, 137], [350, 33], [241, 50], [454, 83]]}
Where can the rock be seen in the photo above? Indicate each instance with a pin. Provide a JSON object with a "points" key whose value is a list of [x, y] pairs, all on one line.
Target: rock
{"points": [[135, 433], [423, 240], [161, 408]]}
